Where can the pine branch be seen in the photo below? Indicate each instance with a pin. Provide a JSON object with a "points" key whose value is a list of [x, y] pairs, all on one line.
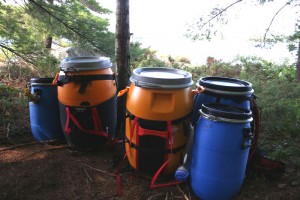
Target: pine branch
{"points": [[17, 54], [268, 29], [69, 27], [219, 13]]}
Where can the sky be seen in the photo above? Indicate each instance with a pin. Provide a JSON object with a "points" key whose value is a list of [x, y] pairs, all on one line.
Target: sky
{"points": [[162, 24]]}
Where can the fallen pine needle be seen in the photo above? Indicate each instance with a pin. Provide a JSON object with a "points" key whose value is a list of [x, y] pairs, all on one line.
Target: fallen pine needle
{"points": [[99, 170], [182, 193], [88, 176]]}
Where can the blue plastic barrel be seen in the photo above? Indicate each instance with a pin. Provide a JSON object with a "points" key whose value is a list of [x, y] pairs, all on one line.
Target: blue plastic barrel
{"points": [[44, 110], [220, 151], [229, 91]]}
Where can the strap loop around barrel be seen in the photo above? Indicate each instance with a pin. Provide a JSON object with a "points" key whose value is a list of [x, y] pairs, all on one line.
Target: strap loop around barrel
{"points": [[83, 79]]}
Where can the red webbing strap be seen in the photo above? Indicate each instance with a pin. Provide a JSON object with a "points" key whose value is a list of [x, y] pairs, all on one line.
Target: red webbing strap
{"points": [[169, 128], [96, 120], [162, 134], [256, 116], [67, 130], [132, 128], [118, 178], [152, 184]]}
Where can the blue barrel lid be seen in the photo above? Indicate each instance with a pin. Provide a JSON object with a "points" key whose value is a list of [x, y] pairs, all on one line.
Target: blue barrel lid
{"points": [[160, 77], [41, 81], [225, 85], [225, 112], [77, 64]]}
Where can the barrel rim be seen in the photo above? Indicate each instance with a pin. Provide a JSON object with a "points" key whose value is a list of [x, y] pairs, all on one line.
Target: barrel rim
{"points": [[41, 81], [244, 86], [217, 111], [154, 82], [84, 63]]}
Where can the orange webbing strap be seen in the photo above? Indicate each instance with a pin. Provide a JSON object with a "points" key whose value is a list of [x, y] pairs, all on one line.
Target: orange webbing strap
{"points": [[152, 184], [96, 119], [54, 82], [122, 92]]}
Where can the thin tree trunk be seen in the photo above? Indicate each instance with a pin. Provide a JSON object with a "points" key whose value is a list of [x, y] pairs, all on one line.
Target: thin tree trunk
{"points": [[48, 42], [298, 63], [122, 57]]}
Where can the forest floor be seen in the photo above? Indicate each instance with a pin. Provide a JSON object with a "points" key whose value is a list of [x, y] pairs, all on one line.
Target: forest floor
{"points": [[32, 170]]}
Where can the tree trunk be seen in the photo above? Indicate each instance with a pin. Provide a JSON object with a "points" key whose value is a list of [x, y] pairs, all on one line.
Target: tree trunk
{"points": [[48, 42], [298, 63], [122, 58]]}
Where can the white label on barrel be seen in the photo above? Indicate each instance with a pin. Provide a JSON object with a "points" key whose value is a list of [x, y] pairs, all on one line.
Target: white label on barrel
{"points": [[223, 83], [165, 75]]}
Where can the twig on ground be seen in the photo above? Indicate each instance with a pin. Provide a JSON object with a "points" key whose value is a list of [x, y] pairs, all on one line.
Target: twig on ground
{"points": [[177, 197], [156, 195], [144, 193], [107, 197], [40, 151], [19, 145], [188, 189], [88, 176], [98, 170], [182, 193], [28, 144]]}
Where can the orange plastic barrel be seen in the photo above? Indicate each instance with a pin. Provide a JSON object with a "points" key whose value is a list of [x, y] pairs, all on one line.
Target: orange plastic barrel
{"points": [[159, 104], [87, 98], [96, 92]]}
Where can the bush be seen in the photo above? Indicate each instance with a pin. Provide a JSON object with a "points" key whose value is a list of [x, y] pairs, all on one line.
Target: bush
{"points": [[279, 99], [14, 114]]}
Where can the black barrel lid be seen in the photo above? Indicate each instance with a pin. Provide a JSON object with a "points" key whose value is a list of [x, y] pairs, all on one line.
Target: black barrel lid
{"points": [[225, 84], [41, 80], [76, 64], [226, 111], [160, 77]]}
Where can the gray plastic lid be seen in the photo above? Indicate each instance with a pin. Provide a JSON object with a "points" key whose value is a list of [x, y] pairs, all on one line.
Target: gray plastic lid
{"points": [[225, 85], [76, 64], [159, 77]]}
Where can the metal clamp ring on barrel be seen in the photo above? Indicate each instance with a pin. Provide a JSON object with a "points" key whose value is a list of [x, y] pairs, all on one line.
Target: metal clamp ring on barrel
{"points": [[214, 118], [229, 92]]}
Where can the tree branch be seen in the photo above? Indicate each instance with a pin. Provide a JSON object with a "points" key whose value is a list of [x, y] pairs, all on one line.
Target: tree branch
{"points": [[69, 27], [16, 53], [219, 13], [268, 29]]}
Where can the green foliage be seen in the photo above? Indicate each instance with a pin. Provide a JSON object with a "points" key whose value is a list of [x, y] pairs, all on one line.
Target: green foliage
{"points": [[74, 21], [24, 29], [48, 66], [278, 96], [143, 57], [94, 6], [13, 112]]}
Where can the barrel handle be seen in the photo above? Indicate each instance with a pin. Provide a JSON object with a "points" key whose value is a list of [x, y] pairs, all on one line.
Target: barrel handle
{"points": [[122, 92], [32, 97], [199, 89], [246, 137]]}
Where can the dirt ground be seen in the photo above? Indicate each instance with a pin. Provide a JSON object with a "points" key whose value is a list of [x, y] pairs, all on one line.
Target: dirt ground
{"points": [[55, 171]]}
